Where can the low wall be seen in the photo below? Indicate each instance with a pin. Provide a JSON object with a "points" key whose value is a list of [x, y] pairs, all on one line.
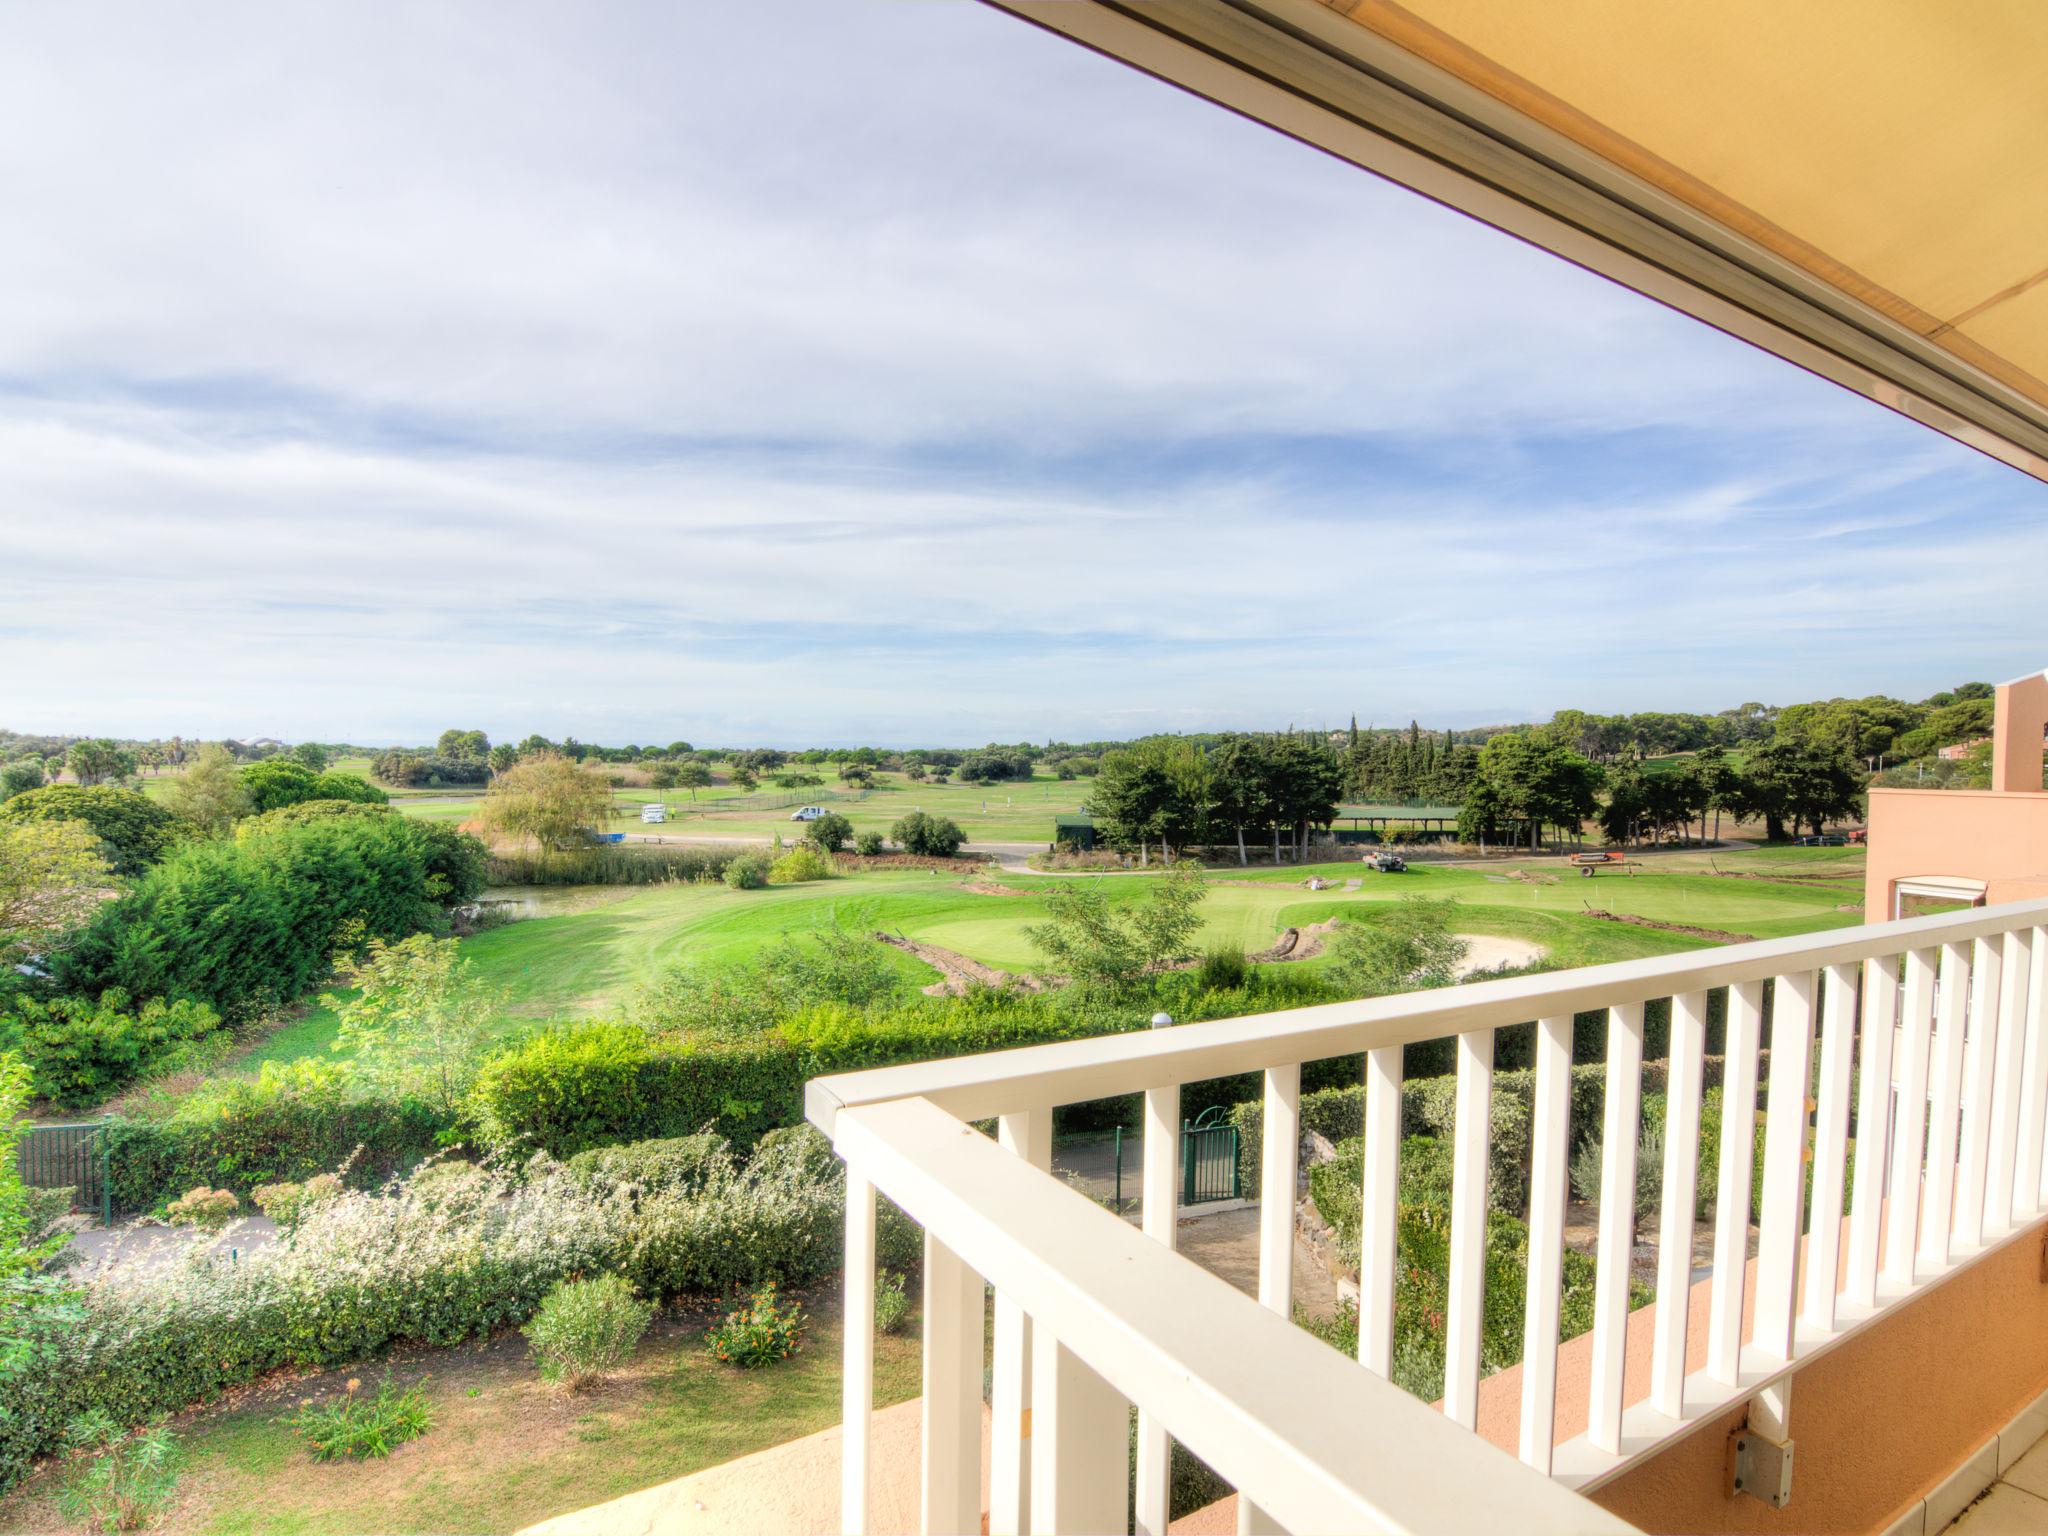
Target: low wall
{"points": [[1879, 1421]]}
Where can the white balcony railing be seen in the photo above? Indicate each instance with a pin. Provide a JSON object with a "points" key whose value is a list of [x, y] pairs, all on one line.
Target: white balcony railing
{"points": [[1947, 1016]]}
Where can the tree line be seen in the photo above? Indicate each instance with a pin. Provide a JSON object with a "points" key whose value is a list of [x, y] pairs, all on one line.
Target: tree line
{"points": [[1171, 793]]}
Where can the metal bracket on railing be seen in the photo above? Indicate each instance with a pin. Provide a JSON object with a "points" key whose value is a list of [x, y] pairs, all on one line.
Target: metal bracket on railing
{"points": [[1760, 1467]]}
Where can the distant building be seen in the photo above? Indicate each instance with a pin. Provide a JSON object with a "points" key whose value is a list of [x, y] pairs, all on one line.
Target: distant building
{"points": [[1956, 751]]}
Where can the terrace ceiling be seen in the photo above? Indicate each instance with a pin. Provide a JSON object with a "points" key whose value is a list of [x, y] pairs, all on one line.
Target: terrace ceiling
{"points": [[1859, 186]]}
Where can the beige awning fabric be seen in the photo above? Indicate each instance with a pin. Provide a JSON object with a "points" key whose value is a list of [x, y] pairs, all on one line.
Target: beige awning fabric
{"points": [[1858, 185], [1898, 151]]}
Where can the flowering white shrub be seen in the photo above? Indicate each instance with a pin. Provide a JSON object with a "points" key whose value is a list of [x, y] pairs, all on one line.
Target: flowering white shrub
{"points": [[363, 1271]]}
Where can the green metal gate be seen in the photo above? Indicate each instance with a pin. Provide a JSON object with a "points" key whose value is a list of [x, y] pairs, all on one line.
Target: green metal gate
{"points": [[1208, 1159], [72, 1157]]}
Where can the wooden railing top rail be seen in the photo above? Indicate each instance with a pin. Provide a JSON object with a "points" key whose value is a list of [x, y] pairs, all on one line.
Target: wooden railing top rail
{"points": [[1268, 1405]]}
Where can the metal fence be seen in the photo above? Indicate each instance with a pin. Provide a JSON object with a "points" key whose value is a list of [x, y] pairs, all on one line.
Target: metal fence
{"points": [[72, 1157]]}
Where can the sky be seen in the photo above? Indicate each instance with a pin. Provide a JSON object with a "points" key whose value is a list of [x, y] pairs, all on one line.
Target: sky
{"points": [[869, 371]]}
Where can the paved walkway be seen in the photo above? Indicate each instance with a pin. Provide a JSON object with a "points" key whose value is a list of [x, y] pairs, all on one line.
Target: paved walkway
{"points": [[2015, 1505], [99, 1249]]}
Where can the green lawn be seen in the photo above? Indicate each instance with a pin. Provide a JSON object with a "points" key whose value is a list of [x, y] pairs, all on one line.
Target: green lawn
{"points": [[1012, 813], [592, 958], [505, 1450]]}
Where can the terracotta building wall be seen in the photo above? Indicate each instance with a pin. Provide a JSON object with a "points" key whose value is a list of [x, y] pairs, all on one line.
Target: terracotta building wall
{"points": [[1978, 834]]}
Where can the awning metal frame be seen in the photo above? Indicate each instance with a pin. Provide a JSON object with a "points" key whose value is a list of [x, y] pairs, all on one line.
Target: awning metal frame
{"points": [[1310, 73]]}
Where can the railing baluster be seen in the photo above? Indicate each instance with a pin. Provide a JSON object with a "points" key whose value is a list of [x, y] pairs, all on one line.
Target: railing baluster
{"points": [[1080, 1463], [1551, 1146], [1731, 1192], [2026, 1191], [1777, 1260], [2002, 1156], [1471, 1135], [1909, 1116], [1980, 1057], [1873, 1109], [857, 1373], [950, 1504], [1619, 1127], [1944, 1095], [1028, 1134], [1830, 1145], [1279, 1160], [1381, 1210], [1676, 1204], [1162, 1209]]}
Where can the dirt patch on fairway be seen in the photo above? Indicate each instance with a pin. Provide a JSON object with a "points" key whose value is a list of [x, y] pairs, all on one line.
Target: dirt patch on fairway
{"points": [[959, 971], [1812, 880], [1713, 935], [954, 866], [1297, 944]]}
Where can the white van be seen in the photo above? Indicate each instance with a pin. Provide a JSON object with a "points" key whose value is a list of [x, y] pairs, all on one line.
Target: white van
{"points": [[807, 813], [654, 815]]}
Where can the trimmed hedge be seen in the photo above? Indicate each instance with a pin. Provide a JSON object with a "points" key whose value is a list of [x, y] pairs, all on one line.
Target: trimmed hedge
{"points": [[596, 1082], [285, 1125]]}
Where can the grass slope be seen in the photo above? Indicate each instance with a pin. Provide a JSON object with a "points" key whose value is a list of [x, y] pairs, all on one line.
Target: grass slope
{"points": [[505, 1449]]}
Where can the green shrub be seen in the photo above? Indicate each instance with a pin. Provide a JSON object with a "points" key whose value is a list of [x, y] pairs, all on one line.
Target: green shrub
{"points": [[829, 833], [892, 1302], [748, 872], [758, 1330], [1223, 969], [357, 1428], [457, 864], [136, 831], [127, 1479], [609, 864], [928, 836], [249, 925], [585, 1329], [1338, 1111], [869, 844], [20, 777], [597, 1083], [666, 1162], [203, 1207], [288, 1203], [277, 782], [1422, 1264], [80, 1051], [799, 865], [365, 1271], [287, 1124]]}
